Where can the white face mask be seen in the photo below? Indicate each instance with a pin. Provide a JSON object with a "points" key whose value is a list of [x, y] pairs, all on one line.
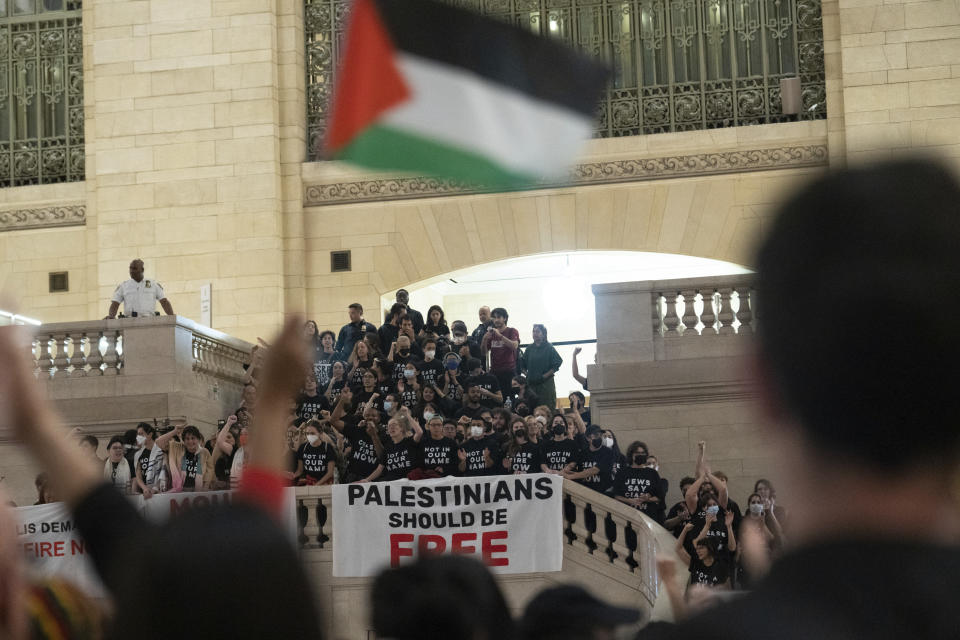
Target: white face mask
{"points": [[541, 420], [608, 442], [387, 405], [141, 440], [476, 432], [409, 373], [312, 439], [430, 354], [427, 415], [756, 509]]}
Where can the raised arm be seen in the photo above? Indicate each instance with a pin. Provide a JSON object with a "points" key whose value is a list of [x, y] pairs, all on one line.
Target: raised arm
{"points": [[282, 378], [693, 492], [576, 369], [222, 444], [687, 528], [731, 537], [164, 441]]}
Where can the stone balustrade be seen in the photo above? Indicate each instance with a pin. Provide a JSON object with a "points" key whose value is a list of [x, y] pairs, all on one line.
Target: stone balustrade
{"points": [[696, 307], [106, 375], [78, 349], [642, 321]]}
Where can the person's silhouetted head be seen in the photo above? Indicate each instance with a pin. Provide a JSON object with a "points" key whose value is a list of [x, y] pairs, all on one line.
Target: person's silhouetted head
{"points": [[440, 597], [857, 312]]}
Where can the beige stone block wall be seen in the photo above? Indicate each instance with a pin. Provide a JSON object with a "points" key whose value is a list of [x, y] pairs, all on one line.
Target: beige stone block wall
{"points": [[184, 167], [901, 77], [27, 257]]}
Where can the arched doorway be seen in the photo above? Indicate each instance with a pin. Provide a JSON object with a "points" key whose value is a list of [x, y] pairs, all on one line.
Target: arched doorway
{"points": [[553, 289]]}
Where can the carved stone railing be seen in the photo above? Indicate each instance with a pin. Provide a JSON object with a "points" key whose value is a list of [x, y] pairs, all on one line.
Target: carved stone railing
{"points": [[674, 319], [104, 374], [697, 307], [78, 349], [607, 538]]}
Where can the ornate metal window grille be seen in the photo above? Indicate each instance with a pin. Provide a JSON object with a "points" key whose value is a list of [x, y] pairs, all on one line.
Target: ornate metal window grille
{"points": [[41, 92], [678, 65]]}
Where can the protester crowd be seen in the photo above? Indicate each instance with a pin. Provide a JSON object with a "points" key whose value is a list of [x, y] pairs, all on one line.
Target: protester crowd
{"points": [[420, 399]]}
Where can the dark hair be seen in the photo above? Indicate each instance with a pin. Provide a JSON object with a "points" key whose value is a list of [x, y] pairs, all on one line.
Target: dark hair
{"points": [[756, 487], [91, 440], [583, 398], [191, 430], [636, 444], [472, 363], [711, 545], [543, 330], [500, 311], [357, 306], [397, 308], [872, 238], [440, 596], [442, 321], [114, 439], [148, 428], [459, 325], [325, 332], [316, 329], [687, 480], [130, 437], [247, 551]]}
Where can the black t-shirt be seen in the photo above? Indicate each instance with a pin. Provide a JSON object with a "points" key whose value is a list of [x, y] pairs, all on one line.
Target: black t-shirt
{"points": [[335, 390], [363, 456], [470, 412], [221, 467], [631, 482], [489, 382], [408, 397], [145, 463], [385, 388], [717, 530], [557, 454], [440, 454], [399, 458], [361, 398], [475, 464], [400, 363], [716, 574], [526, 459], [602, 458], [191, 466], [323, 369], [355, 379], [311, 406], [315, 458], [431, 372]]}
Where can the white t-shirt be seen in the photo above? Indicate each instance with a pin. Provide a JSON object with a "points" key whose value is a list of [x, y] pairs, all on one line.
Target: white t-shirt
{"points": [[139, 296]]}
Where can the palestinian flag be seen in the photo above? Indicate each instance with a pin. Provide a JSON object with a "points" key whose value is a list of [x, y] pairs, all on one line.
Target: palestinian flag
{"points": [[430, 88]]}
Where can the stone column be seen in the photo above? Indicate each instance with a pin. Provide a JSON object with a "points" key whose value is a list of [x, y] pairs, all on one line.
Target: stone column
{"points": [[185, 160], [901, 76]]}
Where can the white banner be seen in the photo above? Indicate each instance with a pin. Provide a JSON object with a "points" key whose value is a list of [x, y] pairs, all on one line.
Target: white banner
{"points": [[513, 524], [52, 546], [163, 506]]}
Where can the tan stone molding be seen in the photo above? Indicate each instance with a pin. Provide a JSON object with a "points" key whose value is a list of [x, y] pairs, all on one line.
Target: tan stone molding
{"points": [[591, 173], [68, 215]]}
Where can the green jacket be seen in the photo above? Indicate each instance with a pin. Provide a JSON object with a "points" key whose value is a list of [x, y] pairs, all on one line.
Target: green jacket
{"points": [[538, 359]]}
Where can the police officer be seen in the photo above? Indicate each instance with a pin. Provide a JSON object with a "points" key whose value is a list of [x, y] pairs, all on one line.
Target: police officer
{"points": [[139, 296]]}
